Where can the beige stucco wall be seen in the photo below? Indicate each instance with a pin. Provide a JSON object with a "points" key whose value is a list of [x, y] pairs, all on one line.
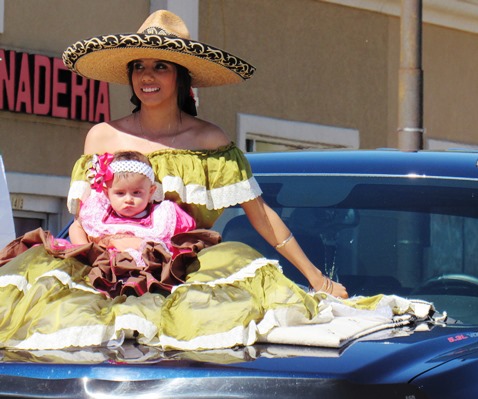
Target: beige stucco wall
{"points": [[35, 144], [449, 59], [451, 84], [335, 65], [316, 62]]}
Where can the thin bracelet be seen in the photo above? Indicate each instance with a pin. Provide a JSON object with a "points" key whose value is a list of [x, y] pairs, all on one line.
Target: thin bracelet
{"points": [[278, 246], [331, 287], [328, 284], [324, 284]]}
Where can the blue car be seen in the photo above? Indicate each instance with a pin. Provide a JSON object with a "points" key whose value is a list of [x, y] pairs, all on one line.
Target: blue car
{"points": [[381, 222]]}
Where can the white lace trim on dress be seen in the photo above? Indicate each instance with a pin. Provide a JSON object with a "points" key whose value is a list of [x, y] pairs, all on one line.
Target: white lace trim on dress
{"points": [[239, 335], [79, 336], [216, 198], [66, 279], [246, 272], [18, 281], [79, 190], [22, 283]]}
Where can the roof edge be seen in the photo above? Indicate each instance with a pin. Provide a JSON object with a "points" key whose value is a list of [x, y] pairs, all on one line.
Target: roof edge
{"points": [[457, 14]]}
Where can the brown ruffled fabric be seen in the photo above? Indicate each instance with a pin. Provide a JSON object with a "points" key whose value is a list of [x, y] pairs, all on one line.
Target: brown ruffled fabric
{"points": [[86, 253], [116, 273]]}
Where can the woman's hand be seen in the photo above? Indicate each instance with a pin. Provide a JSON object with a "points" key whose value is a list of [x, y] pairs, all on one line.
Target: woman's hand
{"points": [[331, 287], [339, 291]]}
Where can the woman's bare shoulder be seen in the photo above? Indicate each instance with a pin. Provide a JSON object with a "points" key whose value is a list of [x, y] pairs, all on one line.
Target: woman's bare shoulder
{"points": [[102, 136], [208, 135], [97, 136]]}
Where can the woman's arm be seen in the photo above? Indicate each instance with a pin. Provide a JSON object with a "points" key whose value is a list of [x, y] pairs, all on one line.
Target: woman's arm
{"points": [[270, 226]]}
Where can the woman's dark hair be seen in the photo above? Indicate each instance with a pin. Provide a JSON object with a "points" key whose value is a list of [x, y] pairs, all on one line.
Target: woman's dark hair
{"points": [[186, 101]]}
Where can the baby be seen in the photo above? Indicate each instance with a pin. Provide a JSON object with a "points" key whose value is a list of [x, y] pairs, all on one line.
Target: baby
{"points": [[121, 217]]}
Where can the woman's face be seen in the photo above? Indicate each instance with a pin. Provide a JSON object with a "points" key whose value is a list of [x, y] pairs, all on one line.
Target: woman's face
{"points": [[154, 81]]}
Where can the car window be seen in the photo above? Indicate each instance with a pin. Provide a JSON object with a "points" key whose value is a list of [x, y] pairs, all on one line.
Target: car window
{"points": [[414, 237]]}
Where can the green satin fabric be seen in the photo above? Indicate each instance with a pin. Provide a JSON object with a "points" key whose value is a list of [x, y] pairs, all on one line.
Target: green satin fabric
{"points": [[55, 297], [56, 307], [202, 172], [199, 308]]}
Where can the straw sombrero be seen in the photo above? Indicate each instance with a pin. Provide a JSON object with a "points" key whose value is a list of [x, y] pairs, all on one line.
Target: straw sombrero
{"points": [[162, 36]]}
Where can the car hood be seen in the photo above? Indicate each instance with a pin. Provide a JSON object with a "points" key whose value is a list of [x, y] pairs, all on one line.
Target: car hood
{"points": [[391, 358]]}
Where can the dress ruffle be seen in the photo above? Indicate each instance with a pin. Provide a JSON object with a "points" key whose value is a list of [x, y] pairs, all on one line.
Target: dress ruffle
{"points": [[57, 307], [53, 306], [205, 182], [117, 273]]}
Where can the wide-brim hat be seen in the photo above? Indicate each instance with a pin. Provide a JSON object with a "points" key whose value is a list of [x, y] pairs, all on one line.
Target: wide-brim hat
{"points": [[163, 36]]}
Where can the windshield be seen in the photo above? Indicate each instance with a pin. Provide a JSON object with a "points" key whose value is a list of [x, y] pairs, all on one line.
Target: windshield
{"points": [[414, 237]]}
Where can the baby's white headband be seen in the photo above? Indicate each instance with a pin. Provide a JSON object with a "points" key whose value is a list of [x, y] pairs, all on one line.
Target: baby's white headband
{"points": [[130, 166], [103, 168]]}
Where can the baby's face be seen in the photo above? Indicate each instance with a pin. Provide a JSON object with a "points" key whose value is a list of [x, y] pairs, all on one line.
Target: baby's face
{"points": [[129, 193]]}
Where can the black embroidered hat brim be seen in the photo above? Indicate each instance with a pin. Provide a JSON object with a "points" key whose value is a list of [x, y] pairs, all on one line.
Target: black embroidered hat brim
{"points": [[106, 57]]}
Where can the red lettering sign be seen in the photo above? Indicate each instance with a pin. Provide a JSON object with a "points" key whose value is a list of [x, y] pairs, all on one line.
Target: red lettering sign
{"points": [[24, 93], [44, 86], [58, 88], [79, 91], [102, 103], [7, 80]]}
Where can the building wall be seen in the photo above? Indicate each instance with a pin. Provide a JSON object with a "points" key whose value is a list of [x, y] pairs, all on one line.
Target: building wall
{"points": [[327, 76], [39, 151], [451, 84], [316, 62], [335, 65], [32, 144]]}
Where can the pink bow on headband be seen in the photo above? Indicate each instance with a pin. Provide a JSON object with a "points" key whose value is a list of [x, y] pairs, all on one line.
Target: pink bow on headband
{"points": [[101, 171]]}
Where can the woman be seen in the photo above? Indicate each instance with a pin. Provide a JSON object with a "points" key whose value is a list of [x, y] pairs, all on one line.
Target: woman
{"points": [[161, 89], [232, 296]]}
